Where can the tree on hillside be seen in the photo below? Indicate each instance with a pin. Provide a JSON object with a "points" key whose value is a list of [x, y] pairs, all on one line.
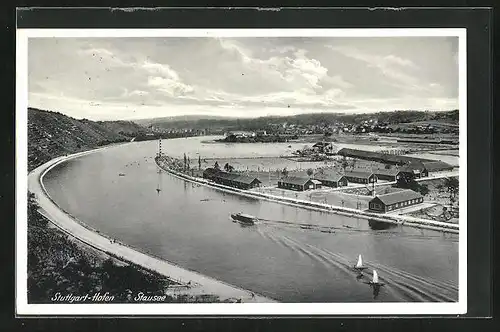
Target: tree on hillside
{"points": [[199, 162], [216, 166], [408, 182], [451, 185], [310, 172], [185, 161], [32, 205], [388, 166], [353, 163], [284, 172], [423, 189], [34, 218], [344, 163], [228, 168]]}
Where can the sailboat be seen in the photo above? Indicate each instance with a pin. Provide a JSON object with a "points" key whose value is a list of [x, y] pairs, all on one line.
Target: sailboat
{"points": [[359, 265], [375, 281]]}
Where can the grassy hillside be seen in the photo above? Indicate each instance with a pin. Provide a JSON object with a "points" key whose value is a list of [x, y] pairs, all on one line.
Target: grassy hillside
{"points": [[52, 134]]}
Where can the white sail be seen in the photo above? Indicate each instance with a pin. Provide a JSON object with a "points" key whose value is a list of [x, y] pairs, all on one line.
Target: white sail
{"points": [[360, 262], [375, 277]]}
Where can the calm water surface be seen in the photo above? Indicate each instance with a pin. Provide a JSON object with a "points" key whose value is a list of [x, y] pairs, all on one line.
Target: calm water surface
{"points": [[189, 224]]}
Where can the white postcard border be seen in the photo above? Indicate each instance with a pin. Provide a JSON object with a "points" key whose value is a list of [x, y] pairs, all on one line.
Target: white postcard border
{"points": [[224, 309]]}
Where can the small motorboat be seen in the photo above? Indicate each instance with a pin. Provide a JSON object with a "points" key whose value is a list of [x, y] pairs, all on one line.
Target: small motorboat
{"points": [[244, 219], [359, 265], [121, 174]]}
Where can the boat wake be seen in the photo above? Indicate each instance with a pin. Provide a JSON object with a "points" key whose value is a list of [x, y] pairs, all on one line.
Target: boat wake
{"points": [[346, 229], [401, 285]]}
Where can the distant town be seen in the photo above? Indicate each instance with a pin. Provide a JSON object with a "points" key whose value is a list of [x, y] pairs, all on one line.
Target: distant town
{"points": [[418, 123]]}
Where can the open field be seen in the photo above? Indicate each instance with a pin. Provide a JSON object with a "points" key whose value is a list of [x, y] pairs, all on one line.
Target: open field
{"points": [[449, 159], [325, 195], [262, 165], [437, 201]]}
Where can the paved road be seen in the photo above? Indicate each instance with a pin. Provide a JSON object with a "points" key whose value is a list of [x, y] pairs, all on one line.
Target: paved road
{"points": [[70, 225]]}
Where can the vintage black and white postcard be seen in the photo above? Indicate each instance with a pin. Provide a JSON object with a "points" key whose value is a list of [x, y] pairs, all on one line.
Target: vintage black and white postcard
{"points": [[241, 172]]}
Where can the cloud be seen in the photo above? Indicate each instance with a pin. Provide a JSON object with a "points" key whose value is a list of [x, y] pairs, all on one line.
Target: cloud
{"points": [[398, 61], [398, 69], [258, 75], [127, 93], [297, 72], [337, 81], [169, 86], [102, 54], [161, 69]]}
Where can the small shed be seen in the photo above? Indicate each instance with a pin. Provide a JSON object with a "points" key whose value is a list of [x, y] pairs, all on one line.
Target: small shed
{"points": [[231, 179], [393, 174], [414, 170], [333, 179], [246, 182], [298, 183], [395, 200], [237, 180], [360, 177], [323, 147]]}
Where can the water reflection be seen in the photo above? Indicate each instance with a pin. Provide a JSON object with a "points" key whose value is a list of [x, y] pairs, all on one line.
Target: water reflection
{"points": [[380, 225], [376, 290]]}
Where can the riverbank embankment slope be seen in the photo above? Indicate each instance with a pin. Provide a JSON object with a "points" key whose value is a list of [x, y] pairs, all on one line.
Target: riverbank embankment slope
{"points": [[75, 228]]}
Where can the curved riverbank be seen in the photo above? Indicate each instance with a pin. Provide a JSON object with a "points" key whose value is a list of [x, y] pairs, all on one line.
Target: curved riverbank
{"points": [[72, 226], [394, 219]]}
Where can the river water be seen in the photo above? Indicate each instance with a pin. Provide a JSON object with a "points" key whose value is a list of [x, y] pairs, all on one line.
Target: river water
{"points": [[189, 224]]}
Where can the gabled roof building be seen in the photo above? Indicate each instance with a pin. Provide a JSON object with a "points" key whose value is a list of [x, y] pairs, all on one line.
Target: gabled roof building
{"points": [[298, 183], [360, 177], [231, 179], [331, 179], [395, 200]]}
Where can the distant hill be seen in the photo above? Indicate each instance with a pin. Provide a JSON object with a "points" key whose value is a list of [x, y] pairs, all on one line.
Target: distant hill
{"points": [[52, 134], [127, 128], [181, 118], [395, 117]]}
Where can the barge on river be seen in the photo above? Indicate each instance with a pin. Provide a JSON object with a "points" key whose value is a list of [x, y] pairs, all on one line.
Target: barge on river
{"points": [[244, 219]]}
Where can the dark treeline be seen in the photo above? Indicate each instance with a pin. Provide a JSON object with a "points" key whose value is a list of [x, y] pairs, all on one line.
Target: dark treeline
{"points": [[314, 119]]}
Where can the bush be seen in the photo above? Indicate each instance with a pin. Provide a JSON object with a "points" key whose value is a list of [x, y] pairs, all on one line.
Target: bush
{"points": [[410, 183]]}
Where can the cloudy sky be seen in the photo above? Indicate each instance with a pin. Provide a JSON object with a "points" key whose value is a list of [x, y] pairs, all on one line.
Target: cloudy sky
{"points": [[133, 78]]}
